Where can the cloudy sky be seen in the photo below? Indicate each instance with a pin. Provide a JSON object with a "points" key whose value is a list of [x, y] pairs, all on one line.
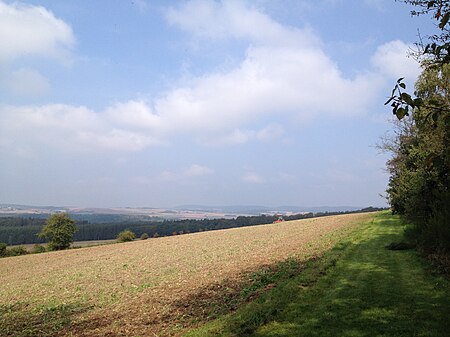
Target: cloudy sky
{"points": [[161, 103]]}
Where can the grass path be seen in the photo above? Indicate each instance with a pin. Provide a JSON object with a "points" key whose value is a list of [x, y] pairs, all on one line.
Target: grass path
{"points": [[357, 289]]}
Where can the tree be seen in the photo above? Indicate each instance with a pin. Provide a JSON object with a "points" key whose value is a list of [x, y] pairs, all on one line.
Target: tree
{"points": [[59, 230], [433, 55], [419, 184]]}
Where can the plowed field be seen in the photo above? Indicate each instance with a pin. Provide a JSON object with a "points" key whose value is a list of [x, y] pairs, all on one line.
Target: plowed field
{"points": [[155, 287]]}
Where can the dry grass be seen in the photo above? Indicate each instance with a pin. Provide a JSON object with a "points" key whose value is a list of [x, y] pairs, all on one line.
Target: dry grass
{"points": [[140, 288]]}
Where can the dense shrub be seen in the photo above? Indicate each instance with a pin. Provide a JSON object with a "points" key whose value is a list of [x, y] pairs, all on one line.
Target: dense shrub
{"points": [[419, 185], [125, 236], [16, 251], [144, 236], [3, 251], [38, 249]]}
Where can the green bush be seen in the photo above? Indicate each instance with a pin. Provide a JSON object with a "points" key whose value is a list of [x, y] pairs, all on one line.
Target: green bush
{"points": [[3, 251], [126, 236], [38, 249], [144, 236], [16, 251]]}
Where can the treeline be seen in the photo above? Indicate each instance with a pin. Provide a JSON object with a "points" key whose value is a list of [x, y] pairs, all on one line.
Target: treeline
{"points": [[14, 231], [419, 185]]}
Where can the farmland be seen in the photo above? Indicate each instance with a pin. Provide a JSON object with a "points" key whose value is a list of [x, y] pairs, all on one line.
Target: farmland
{"points": [[358, 288], [155, 287]]}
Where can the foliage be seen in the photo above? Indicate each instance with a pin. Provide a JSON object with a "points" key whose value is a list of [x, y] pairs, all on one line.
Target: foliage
{"points": [[17, 251], [38, 249], [437, 50], [419, 185], [433, 55], [14, 251], [3, 249], [59, 230], [144, 236], [126, 236]]}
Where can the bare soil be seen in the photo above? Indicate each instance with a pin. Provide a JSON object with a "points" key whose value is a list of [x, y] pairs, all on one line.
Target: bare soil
{"points": [[158, 287]]}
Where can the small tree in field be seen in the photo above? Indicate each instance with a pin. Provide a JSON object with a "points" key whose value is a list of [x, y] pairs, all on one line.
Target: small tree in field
{"points": [[125, 236], [59, 230]]}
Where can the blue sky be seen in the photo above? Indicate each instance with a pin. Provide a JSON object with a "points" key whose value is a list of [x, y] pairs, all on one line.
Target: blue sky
{"points": [[162, 103]]}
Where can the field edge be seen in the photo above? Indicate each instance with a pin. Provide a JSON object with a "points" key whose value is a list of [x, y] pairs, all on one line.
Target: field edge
{"points": [[271, 314]]}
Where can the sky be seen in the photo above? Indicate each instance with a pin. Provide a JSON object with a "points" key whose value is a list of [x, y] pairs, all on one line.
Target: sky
{"points": [[164, 103]]}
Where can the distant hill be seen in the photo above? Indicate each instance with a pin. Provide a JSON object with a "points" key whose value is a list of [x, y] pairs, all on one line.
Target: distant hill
{"points": [[97, 214], [257, 209]]}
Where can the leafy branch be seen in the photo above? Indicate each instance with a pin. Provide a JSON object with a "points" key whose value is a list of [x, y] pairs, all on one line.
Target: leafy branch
{"points": [[402, 103]]}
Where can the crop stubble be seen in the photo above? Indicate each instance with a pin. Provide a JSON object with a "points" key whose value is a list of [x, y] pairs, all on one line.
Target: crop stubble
{"points": [[136, 288]]}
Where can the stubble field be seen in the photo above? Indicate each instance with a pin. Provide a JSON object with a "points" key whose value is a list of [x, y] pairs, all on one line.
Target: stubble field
{"points": [[156, 287]]}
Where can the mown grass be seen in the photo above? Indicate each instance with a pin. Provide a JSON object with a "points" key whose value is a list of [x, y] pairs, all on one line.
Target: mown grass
{"points": [[359, 288]]}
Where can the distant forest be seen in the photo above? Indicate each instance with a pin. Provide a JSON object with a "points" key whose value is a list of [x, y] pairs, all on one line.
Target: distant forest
{"points": [[23, 230]]}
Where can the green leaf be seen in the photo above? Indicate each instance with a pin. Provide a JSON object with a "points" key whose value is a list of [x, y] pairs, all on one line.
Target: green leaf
{"points": [[400, 79], [418, 102], [400, 113], [403, 85], [407, 98]]}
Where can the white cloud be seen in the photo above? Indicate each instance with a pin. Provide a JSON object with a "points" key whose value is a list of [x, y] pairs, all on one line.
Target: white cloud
{"points": [[253, 178], [24, 82], [27, 30], [285, 71], [284, 76], [175, 176], [270, 133], [394, 60], [67, 128], [235, 19], [234, 137], [134, 115], [198, 170], [167, 176]]}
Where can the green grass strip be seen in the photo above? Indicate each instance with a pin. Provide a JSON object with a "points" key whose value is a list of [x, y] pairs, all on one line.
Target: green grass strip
{"points": [[358, 288]]}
